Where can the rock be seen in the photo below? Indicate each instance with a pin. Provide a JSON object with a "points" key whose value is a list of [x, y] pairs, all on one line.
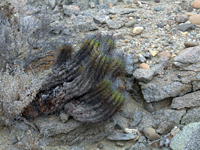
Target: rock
{"points": [[129, 64], [144, 66], [161, 88], [188, 138], [85, 26], [127, 11], [151, 134], [114, 24], [196, 4], [100, 146], [144, 75], [164, 114], [71, 132], [182, 18], [186, 26], [131, 23], [120, 144], [71, 9], [165, 127], [165, 54], [127, 130], [187, 57], [186, 101], [140, 146], [137, 30], [118, 136], [142, 58], [190, 44], [92, 4], [52, 3], [100, 19], [153, 53], [112, 11], [195, 19], [192, 115], [158, 8], [64, 117], [135, 118], [142, 139], [157, 1]]}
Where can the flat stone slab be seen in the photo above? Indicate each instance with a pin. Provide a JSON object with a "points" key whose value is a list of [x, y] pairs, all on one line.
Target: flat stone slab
{"points": [[186, 101], [122, 136]]}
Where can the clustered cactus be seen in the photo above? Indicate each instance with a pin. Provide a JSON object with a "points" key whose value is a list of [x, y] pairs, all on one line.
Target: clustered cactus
{"points": [[81, 83]]}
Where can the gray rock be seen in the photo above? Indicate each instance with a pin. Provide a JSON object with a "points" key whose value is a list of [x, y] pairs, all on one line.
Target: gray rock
{"points": [[114, 24], [135, 118], [112, 11], [165, 114], [141, 57], [85, 26], [140, 146], [142, 139], [131, 23], [161, 88], [52, 3], [186, 101], [100, 146], [71, 132], [118, 136], [64, 117], [144, 75], [192, 115], [165, 127], [188, 56], [185, 27], [181, 18], [188, 138], [190, 44], [71, 9], [127, 11], [100, 19], [129, 64], [158, 8], [92, 5]]}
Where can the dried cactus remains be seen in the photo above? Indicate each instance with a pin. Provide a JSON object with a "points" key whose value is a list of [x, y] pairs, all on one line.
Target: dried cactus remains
{"points": [[81, 83]]}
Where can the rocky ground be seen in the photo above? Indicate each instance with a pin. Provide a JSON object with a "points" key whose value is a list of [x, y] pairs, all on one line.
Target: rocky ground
{"points": [[162, 107]]}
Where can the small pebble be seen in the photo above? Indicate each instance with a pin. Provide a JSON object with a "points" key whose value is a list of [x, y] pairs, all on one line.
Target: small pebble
{"points": [[137, 30], [120, 144], [165, 54], [153, 53], [157, 1], [126, 40], [151, 134], [157, 8], [190, 44], [144, 66], [100, 146]]}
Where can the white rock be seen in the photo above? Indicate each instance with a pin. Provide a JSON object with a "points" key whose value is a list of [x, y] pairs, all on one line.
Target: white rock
{"points": [[137, 30]]}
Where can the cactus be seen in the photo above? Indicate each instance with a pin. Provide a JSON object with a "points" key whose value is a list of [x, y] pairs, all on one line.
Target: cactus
{"points": [[81, 83]]}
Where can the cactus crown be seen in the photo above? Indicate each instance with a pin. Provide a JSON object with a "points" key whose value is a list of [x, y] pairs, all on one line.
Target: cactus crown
{"points": [[81, 83]]}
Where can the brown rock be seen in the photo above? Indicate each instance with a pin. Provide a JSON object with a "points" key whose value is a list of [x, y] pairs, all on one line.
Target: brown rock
{"points": [[165, 54], [144, 66], [196, 4], [186, 101], [151, 134], [190, 44], [195, 19]]}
